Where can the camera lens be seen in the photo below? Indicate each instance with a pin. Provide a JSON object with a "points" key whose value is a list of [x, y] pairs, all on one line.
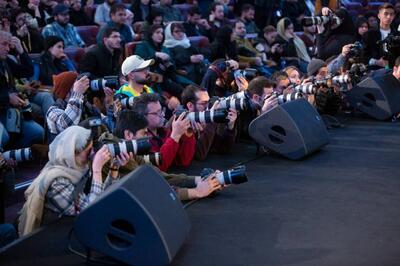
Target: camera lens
{"points": [[138, 147], [212, 116], [154, 158], [19, 155], [233, 176]]}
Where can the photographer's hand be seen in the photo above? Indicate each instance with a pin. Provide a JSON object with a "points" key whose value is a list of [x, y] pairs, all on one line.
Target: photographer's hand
{"points": [[179, 127], [81, 85], [205, 187], [381, 62], [326, 11], [242, 83], [102, 156], [269, 103], [232, 116], [346, 49], [109, 99]]}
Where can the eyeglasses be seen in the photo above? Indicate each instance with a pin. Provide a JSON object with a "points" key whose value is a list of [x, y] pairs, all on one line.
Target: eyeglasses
{"points": [[159, 113]]}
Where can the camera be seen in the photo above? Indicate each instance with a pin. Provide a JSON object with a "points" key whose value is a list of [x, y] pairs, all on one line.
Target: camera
{"points": [[288, 97], [126, 102], [211, 116], [320, 20], [20, 155], [356, 50], [248, 73], [153, 158], [391, 46], [99, 84], [237, 101], [140, 146], [341, 79], [235, 175], [306, 88]]}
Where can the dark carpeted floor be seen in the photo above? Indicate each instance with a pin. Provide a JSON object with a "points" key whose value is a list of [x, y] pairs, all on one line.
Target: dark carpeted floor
{"points": [[340, 206]]}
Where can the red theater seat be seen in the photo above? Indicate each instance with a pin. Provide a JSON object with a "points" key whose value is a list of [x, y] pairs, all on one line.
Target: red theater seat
{"points": [[75, 54], [88, 33], [130, 48], [199, 41]]}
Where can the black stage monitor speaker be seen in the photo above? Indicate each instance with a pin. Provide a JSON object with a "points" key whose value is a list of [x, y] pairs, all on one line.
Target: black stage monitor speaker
{"points": [[293, 129], [139, 221], [377, 96]]}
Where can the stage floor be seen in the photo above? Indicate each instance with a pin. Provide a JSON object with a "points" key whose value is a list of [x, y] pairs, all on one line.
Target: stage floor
{"points": [[340, 206]]}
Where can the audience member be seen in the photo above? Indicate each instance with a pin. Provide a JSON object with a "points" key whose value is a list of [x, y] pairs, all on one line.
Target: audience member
{"points": [[141, 9], [373, 21], [195, 25], [62, 28], [373, 52], [224, 45], [41, 10], [154, 18], [78, 16], [25, 27], [170, 13], [217, 19], [118, 17], [362, 28], [296, 10], [265, 12], [294, 51], [247, 17], [271, 50], [309, 38], [52, 61], [27, 131], [185, 56], [104, 58], [228, 8], [102, 14]]}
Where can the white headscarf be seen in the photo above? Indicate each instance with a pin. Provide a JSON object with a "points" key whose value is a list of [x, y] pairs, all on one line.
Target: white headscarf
{"points": [[301, 48], [62, 163], [171, 42]]}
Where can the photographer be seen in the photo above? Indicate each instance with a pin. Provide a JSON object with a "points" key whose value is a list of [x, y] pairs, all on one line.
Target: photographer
{"points": [[26, 28], [71, 107], [271, 50], [334, 34], [130, 126], [336, 64], [261, 90], [103, 59], [176, 145], [210, 137], [327, 99], [27, 130], [217, 78], [59, 188], [374, 53]]}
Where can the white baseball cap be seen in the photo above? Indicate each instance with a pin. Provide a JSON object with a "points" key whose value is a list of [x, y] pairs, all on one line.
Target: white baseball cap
{"points": [[134, 63]]}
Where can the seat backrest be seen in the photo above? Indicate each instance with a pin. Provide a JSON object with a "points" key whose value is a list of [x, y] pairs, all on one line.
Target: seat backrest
{"points": [[75, 54], [88, 33], [199, 41], [130, 48]]}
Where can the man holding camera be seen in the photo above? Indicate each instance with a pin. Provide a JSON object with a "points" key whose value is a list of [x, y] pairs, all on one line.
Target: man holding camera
{"points": [[211, 136], [131, 126], [176, 145], [374, 53], [11, 103], [103, 59], [261, 93]]}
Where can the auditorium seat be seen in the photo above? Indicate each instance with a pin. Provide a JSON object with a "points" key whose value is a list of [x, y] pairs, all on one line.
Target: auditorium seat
{"points": [[374, 5], [88, 33], [75, 54], [199, 41], [130, 48], [184, 8]]}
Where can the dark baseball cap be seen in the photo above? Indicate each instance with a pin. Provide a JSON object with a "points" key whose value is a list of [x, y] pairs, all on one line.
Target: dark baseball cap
{"points": [[60, 9]]}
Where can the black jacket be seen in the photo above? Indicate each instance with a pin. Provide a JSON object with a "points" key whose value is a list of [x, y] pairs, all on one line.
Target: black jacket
{"points": [[99, 62], [49, 67], [79, 18], [32, 44], [9, 69], [192, 30], [328, 46]]}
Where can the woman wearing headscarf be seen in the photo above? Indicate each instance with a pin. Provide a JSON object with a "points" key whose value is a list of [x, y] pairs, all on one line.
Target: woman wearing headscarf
{"points": [[186, 57], [294, 49], [59, 188], [332, 36]]}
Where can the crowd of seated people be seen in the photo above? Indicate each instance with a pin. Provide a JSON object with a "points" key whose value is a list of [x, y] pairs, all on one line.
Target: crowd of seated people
{"points": [[145, 66]]}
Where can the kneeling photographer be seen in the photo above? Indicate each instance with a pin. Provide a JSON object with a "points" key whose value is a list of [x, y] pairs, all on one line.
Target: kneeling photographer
{"points": [[131, 127], [210, 137], [76, 99]]}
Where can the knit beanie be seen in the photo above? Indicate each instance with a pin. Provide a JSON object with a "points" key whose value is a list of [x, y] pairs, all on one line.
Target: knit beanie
{"points": [[50, 41], [314, 66], [63, 83]]}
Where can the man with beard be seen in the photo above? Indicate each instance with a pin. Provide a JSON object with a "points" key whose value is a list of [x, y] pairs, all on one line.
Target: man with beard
{"points": [[62, 28], [103, 59], [217, 18], [136, 71], [247, 17], [77, 14]]}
